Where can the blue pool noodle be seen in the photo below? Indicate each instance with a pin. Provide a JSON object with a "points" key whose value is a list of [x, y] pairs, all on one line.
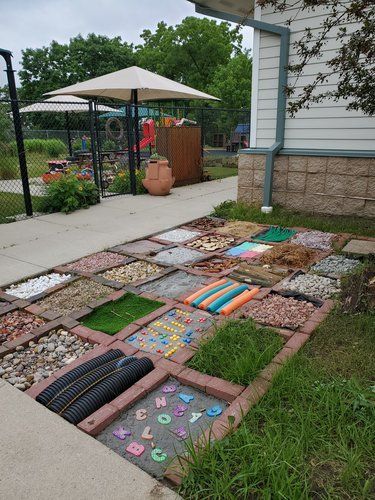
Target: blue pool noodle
{"points": [[227, 297], [204, 296]]}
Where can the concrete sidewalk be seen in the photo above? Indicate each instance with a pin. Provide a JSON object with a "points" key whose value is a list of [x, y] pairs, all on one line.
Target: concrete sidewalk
{"points": [[34, 245], [43, 457]]}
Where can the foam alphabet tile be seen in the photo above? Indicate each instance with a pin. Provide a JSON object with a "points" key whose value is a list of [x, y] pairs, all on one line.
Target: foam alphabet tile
{"points": [[214, 411], [195, 417], [121, 433], [146, 434], [158, 456], [164, 419], [186, 398], [160, 402], [141, 414], [135, 449]]}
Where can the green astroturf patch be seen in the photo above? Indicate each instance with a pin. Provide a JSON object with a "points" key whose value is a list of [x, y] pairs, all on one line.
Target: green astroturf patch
{"points": [[114, 316]]}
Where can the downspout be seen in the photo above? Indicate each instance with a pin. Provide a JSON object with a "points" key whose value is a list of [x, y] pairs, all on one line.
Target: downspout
{"points": [[281, 96]]}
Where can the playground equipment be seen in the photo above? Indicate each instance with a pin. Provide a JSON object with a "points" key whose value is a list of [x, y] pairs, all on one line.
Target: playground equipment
{"points": [[222, 297]]}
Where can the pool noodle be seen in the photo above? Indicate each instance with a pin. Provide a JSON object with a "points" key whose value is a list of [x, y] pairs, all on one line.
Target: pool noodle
{"points": [[214, 296], [238, 301], [203, 290], [201, 298], [228, 296]]}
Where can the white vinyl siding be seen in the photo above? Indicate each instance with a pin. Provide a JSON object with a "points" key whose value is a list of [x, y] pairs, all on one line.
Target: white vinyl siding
{"points": [[326, 125]]}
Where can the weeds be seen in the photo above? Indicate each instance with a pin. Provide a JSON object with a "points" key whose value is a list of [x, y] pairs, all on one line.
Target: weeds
{"points": [[237, 351], [334, 224]]}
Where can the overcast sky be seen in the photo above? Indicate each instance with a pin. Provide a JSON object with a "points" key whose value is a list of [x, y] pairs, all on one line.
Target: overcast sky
{"points": [[35, 23]]}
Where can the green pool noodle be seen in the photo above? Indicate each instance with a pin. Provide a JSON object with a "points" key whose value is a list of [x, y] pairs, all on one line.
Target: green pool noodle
{"points": [[204, 296], [227, 297]]}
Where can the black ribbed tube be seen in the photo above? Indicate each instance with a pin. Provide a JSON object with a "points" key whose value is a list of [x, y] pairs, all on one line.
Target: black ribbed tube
{"points": [[85, 383], [52, 390], [107, 390]]}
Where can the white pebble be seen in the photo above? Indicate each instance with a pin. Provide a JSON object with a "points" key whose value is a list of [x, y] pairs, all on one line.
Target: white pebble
{"points": [[37, 285]]}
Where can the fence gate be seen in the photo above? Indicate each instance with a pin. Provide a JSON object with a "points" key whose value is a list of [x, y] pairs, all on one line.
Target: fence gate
{"points": [[113, 150]]}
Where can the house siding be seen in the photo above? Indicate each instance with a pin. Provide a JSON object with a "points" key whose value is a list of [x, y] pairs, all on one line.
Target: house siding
{"points": [[326, 125]]}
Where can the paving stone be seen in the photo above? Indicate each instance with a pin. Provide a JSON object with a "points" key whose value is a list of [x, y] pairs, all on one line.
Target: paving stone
{"points": [[173, 285], [359, 247], [163, 435], [178, 255]]}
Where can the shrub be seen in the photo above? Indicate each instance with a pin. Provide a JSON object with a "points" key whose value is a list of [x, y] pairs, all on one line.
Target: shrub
{"points": [[109, 146], [77, 144], [8, 167], [68, 194], [121, 183], [50, 147]]}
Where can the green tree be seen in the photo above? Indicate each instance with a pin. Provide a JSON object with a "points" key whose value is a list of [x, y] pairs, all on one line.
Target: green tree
{"points": [[190, 52], [232, 82], [6, 124], [59, 65]]}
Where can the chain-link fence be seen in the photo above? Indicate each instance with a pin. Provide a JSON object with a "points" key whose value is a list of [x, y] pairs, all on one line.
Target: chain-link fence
{"points": [[100, 142]]}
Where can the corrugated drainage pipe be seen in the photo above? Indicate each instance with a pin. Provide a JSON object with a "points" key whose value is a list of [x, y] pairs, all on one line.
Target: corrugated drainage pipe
{"points": [[84, 384], [62, 382], [107, 390]]}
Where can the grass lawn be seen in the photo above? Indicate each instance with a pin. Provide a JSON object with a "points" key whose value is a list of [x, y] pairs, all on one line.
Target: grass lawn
{"points": [[237, 352], [312, 435], [220, 172], [37, 164], [283, 217], [113, 316], [13, 204]]}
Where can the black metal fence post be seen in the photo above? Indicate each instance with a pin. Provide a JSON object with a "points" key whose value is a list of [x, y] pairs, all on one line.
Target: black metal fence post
{"points": [[7, 55], [202, 132], [129, 130], [93, 148]]}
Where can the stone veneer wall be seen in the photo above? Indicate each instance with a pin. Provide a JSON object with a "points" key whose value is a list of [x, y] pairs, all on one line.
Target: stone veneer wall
{"points": [[317, 184]]}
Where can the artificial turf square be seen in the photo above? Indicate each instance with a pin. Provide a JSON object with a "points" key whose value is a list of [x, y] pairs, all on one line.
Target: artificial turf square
{"points": [[114, 316]]}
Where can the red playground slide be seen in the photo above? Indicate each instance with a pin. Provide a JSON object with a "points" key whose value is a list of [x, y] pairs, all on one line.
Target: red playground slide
{"points": [[148, 135]]}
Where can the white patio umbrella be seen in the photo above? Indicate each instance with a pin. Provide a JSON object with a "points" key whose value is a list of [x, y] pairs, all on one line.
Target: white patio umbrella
{"points": [[122, 84], [63, 104], [136, 85]]}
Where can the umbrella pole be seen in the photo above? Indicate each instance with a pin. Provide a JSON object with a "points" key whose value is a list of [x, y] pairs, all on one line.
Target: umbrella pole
{"points": [[67, 126], [136, 127]]}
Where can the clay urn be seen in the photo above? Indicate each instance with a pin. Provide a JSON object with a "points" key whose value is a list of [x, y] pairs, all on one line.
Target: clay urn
{"points": [[159, 179]]}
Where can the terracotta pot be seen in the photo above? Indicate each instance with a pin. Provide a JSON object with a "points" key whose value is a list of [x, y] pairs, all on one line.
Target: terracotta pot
{"points": [[159, 179]]}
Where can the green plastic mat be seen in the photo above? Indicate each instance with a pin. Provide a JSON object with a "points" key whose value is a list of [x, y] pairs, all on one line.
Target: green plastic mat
{"points": [[275, 234]]}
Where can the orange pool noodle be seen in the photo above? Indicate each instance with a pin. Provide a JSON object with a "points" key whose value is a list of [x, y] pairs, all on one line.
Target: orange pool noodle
{"points": [[207, 288], [216, 295], [239, 301]]}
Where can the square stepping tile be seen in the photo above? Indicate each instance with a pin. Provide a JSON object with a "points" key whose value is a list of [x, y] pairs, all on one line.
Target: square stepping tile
{"points": [[96, 262], [178, 255], [171, 332], [359, 247], [178, 235], [168, 438], [173, 285], [140, 247]]}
